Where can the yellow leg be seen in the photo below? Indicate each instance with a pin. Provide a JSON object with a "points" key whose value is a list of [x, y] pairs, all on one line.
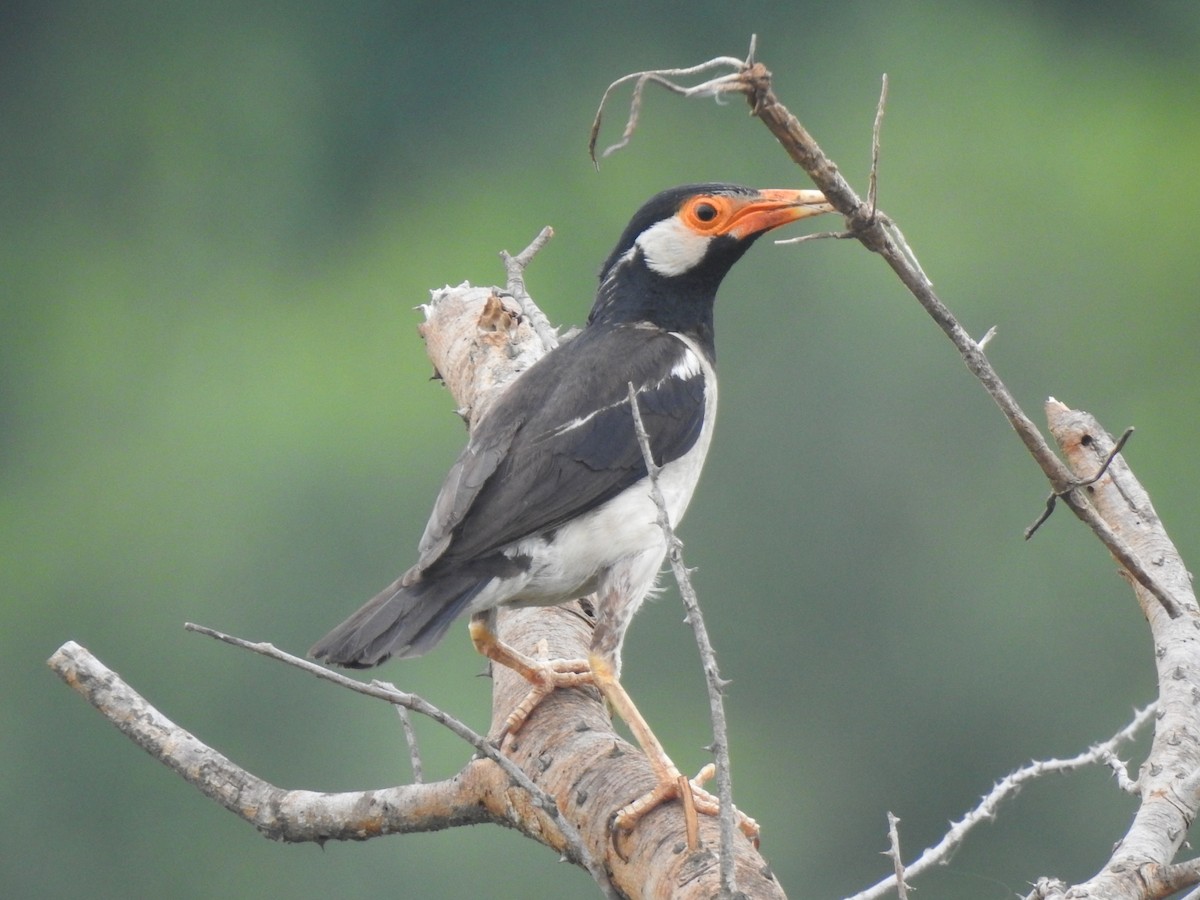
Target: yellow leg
{"points": [[543, 675], [671, 784]]}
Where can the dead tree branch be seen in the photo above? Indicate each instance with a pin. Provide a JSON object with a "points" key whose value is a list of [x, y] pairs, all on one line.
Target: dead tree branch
{"points": [[279, 814], [1168, 785], [565, 773]]}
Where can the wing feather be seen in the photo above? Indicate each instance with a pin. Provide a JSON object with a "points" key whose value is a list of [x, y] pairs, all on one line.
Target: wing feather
{"points": [[561, 440]]}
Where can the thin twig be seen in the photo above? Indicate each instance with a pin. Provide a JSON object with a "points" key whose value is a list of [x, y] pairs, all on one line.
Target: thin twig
{"points": [[1098, 754], [514, 268], [1052, 500], [381, 691], [873, 178], [708, 657], [410, 738], [817, 236]]}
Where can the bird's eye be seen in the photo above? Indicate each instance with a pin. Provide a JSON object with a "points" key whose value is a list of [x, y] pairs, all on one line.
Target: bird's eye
{"points": [[705, 215]]}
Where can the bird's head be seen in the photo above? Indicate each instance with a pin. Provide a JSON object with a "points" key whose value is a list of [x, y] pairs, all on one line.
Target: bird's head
{"points": [[672, 256]]}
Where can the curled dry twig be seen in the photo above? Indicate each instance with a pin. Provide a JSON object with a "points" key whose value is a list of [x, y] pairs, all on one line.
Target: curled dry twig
{"points": [[714, 87]]}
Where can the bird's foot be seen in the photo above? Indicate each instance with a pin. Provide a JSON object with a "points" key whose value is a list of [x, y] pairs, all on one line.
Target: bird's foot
{"points": [[690, 792], [544, 677]]}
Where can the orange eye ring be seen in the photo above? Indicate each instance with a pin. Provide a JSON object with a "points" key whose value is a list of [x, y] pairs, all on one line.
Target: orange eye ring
{"points": [[707, 214]]}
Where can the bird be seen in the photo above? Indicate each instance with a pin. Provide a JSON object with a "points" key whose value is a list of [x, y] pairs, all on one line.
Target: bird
{"points": [[551, 500]]}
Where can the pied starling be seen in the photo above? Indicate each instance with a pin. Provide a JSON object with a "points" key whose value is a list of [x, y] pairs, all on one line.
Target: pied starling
{"points": [[550, 500]]}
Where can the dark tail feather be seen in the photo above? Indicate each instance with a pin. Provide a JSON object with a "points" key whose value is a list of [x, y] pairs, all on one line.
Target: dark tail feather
{"points": [[398, 621]]}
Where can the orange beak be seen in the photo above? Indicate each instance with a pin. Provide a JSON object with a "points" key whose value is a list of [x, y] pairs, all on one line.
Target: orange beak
{"points": [[774, 207]]}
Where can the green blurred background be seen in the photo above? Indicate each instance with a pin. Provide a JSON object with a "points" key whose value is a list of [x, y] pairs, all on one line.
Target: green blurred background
{"points": [[217, 219]]}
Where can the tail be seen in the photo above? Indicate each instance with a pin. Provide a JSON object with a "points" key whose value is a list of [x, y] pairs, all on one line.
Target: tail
{"points": [[399, 621]]}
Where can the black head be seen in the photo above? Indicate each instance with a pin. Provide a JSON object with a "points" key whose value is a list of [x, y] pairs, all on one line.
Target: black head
{"points": [[677, 248]]}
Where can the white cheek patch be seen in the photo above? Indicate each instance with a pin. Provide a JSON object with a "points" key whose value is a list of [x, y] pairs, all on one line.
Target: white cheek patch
{"points": [[671, 248]]}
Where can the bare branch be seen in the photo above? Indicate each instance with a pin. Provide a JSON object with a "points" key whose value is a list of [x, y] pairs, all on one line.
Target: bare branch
{"points": [[708, 658], [383, 691], [1169, 783], [514, 267], [878, 233], [410, 738], [1098, 754], [893, 853], [873, 179], [278, 814]]}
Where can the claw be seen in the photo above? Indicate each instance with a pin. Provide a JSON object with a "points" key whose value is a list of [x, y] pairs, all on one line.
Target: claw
{"points": [[544, 677], [695, 800], [547, 675]]}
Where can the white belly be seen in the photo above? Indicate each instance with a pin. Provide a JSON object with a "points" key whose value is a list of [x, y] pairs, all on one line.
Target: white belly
{"points": [[623, 534]]}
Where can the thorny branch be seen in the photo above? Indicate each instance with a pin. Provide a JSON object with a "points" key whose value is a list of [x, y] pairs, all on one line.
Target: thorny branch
{"points": [[879, 234], [708, 657], [1104, 753], [1121, 517]]}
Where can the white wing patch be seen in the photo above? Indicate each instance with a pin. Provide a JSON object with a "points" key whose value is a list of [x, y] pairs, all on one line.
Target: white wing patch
{"points": [[671, 248], [688, 366]]}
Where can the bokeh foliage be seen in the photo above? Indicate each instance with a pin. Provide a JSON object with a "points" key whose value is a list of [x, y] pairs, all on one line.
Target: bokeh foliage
{"points": [[217, 219]]}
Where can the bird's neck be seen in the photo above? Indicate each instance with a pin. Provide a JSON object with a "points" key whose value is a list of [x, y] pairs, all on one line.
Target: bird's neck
{"points": [[636, 296]]}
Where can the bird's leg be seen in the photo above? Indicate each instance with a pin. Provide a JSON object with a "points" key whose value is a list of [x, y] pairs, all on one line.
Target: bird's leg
{"points": [[671, 784], [543, 675]]}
